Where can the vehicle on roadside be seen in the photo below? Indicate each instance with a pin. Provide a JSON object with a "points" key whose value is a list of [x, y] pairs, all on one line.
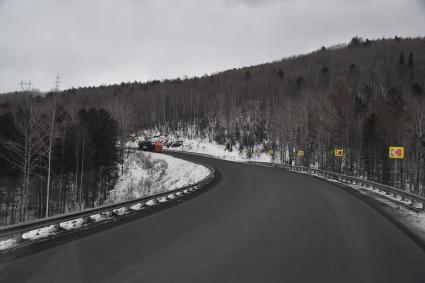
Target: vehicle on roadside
{"points": [[158, 147], [147, 145], [177, 144]]}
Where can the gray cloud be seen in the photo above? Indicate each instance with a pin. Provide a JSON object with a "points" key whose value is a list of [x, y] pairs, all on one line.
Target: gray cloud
{"points": [[105, 41]]}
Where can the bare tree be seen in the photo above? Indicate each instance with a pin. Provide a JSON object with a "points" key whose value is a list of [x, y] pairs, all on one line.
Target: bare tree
{"points": [[25, 151], [51, 125], [416, 110]]}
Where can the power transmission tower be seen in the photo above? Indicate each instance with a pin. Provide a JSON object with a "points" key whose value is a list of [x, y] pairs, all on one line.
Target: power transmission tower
{"points": [[57, 83], [25, 86]]}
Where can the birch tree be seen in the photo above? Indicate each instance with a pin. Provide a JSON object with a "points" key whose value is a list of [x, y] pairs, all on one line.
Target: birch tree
{"points": [[51, 126], [25, 151]]}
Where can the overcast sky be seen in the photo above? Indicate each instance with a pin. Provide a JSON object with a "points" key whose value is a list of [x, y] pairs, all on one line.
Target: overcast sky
{"points": [[94, 42]]}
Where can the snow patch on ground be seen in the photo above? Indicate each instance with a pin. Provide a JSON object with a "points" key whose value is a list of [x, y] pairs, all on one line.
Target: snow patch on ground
{"points": [[100, 217], [120, 211], [138, 206], [171, 196], [219, 151], [7, 244], [40, 233], [73, 224], [147, 173]]}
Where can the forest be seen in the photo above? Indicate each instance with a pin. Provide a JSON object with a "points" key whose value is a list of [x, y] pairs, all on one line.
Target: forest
{"points": [[53, 161], [61, 151]]}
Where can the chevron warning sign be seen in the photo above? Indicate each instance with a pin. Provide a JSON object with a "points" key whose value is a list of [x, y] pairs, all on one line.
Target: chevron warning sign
{"points": [[396, 152], [339, 152]]}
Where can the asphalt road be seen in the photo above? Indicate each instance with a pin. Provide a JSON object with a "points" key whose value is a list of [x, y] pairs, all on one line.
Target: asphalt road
{"points": [[254, 224]]}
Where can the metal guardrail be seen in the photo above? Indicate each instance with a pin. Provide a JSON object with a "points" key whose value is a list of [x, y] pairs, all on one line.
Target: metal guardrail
{"points": [[414, 199], [16, 230]]}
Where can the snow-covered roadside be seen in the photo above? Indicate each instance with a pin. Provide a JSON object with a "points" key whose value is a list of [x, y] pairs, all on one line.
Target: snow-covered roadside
{"points": [[219, 151], [415, 218], [144, 174], [7, 244], [147, 173]]}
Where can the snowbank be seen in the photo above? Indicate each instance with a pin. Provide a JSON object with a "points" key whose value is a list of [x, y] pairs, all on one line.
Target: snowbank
{"points": [[7, 244], [219, 151], [147, 173], [40, 233]]}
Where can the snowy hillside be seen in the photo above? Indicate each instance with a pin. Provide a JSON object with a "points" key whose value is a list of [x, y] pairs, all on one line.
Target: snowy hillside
{"points": [[147, 173], [220, 151]]}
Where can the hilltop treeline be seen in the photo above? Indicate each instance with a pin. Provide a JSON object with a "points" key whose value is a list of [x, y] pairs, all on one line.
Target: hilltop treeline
{"points": [[362, 96]]}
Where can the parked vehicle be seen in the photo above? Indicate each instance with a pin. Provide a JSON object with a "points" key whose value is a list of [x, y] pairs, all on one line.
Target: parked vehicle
{"points": [[177, 144], [146, 145], [158, 146]]}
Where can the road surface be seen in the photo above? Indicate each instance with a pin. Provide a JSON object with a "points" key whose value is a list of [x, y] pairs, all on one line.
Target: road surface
{"points": [[254, 224]]}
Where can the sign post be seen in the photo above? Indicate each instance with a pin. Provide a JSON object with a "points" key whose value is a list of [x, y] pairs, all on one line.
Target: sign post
{"points": [[396, 152]]}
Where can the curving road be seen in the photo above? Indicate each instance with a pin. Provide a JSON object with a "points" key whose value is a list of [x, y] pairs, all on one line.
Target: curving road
{"points": [[254, 224]]}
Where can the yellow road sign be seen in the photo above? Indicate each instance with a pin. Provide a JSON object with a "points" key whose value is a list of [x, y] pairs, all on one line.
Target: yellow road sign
{"points": [[271, 152], [300, 153], [339, 152], [396, 152]]}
